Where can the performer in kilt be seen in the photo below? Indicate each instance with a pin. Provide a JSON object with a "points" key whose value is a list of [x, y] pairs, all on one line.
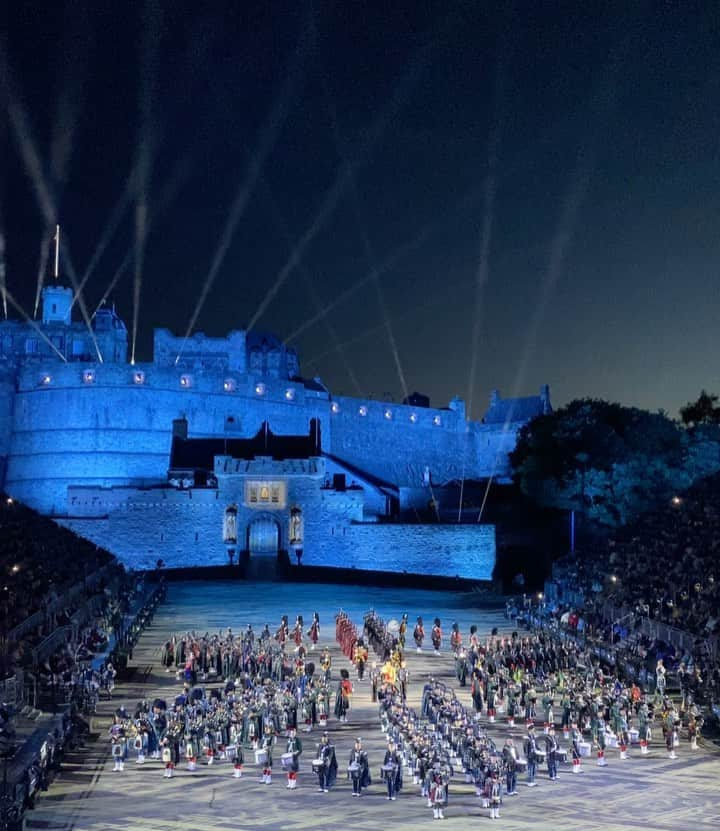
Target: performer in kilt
{"points": [[327, 772], [293, 746], [359, 768], [494, 792], [510, 759], [392, 770], [419, 634], [436, 635], [438, 791]]}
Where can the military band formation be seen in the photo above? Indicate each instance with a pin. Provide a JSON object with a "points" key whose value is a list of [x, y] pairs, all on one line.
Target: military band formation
{"points": [[534, 701]]}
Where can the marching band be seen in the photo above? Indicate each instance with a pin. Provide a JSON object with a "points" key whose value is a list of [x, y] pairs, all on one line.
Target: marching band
{"points": [[245, 692]]}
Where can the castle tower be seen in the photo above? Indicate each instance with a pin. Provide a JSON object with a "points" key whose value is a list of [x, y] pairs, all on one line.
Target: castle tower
{"points": [[57, 300], [56, 304]]}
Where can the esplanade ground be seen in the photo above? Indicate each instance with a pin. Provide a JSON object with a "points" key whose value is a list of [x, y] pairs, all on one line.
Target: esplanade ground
{"points": [[640, 793]]}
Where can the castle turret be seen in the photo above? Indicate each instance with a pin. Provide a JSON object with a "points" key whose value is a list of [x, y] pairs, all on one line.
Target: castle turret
{"points": [[56, 304]]}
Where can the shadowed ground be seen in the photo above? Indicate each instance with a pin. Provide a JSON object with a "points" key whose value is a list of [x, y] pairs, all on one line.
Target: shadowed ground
{"points": [[640, 793]]}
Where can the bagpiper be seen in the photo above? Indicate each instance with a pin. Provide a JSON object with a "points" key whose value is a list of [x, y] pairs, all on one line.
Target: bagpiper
{"points": [[438, 791]]}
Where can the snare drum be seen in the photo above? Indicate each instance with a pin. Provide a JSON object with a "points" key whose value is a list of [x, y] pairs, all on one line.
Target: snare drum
{"points": [[584, 748], [540, 757], [166, 755], [286, 760], [117, 750], [260, 757], [353, 769], [317, 765]]}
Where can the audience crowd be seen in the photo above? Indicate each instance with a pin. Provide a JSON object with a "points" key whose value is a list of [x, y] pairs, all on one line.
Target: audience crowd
{"points": [[650, 591], [663, 567]]}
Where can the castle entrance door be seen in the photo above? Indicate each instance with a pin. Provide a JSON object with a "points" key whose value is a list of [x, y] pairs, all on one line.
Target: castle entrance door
{"points": [[263, 536]]}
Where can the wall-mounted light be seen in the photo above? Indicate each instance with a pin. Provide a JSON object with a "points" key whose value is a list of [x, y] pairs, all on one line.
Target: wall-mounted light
{"points": [[388, 415], [437, 421], [289, 394], [413, 418], [335, 407], [229, 385], [185, 381], [89, 376], [138, 377], [260, 389], [363, 410], [45, 380]]}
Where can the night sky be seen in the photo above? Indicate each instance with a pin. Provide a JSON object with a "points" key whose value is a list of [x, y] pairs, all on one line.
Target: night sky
{"points": [[537, 184]]}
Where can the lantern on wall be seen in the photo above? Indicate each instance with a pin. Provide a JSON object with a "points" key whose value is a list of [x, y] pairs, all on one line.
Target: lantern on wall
{"points": [[230, 525]]}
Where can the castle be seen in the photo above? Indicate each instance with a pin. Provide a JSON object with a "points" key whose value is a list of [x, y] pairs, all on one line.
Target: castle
{"points": [[219, 449]]}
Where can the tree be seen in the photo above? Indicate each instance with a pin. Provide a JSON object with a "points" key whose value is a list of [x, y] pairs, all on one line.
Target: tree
{"points": [[607, 461], [702, 411]]}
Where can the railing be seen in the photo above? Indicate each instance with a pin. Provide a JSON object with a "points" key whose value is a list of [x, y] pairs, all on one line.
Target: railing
{"points": [[35, 620], [11, 689], [46, 647], [651, 628], [28, 625]]}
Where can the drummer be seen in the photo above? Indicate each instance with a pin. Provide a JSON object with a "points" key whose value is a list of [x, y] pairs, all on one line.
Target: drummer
{"points": [[291, 758], [359, 768], [325, 765], [392, 770]]}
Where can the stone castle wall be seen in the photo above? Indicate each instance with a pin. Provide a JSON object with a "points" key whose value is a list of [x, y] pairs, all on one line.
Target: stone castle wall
{"points": [[184, 528], [112, 432]]}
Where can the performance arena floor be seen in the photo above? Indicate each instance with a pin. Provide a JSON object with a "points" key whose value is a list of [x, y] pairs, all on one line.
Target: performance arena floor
{"points": [[651, 793]]}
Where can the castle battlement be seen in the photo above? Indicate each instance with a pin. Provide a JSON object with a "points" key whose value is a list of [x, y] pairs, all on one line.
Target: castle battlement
{"points": [[225, 432]]}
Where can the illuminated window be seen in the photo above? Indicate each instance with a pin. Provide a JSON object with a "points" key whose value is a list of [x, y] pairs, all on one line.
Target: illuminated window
{"points": [[138, 377], [265, 494], [335, 407], [437, 421], [363, 410], [259, 389], [229, 385], [89, 376]]}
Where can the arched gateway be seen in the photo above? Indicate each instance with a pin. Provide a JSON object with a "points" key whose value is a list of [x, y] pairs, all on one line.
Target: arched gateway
{"points": [[263, 537]]}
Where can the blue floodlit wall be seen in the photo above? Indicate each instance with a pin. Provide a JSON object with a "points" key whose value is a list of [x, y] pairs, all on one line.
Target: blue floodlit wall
{"points": [[89, 443], [113, 432], [184, 528]]}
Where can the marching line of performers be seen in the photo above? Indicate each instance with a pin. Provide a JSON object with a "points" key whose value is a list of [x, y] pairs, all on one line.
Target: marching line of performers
{"points": [[265, 692], [534, 678]]}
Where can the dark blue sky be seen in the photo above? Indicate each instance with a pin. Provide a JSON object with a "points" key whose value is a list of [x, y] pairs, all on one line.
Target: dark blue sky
{"points": [[591, 131]]}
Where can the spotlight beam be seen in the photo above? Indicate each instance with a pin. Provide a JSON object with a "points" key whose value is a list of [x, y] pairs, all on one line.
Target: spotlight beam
{"points": [[601, 104], [180, 175], [386, 265], [33, 324], [347, 170], [304, 273], [72, 274], [108, 233], [268, 138]]}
